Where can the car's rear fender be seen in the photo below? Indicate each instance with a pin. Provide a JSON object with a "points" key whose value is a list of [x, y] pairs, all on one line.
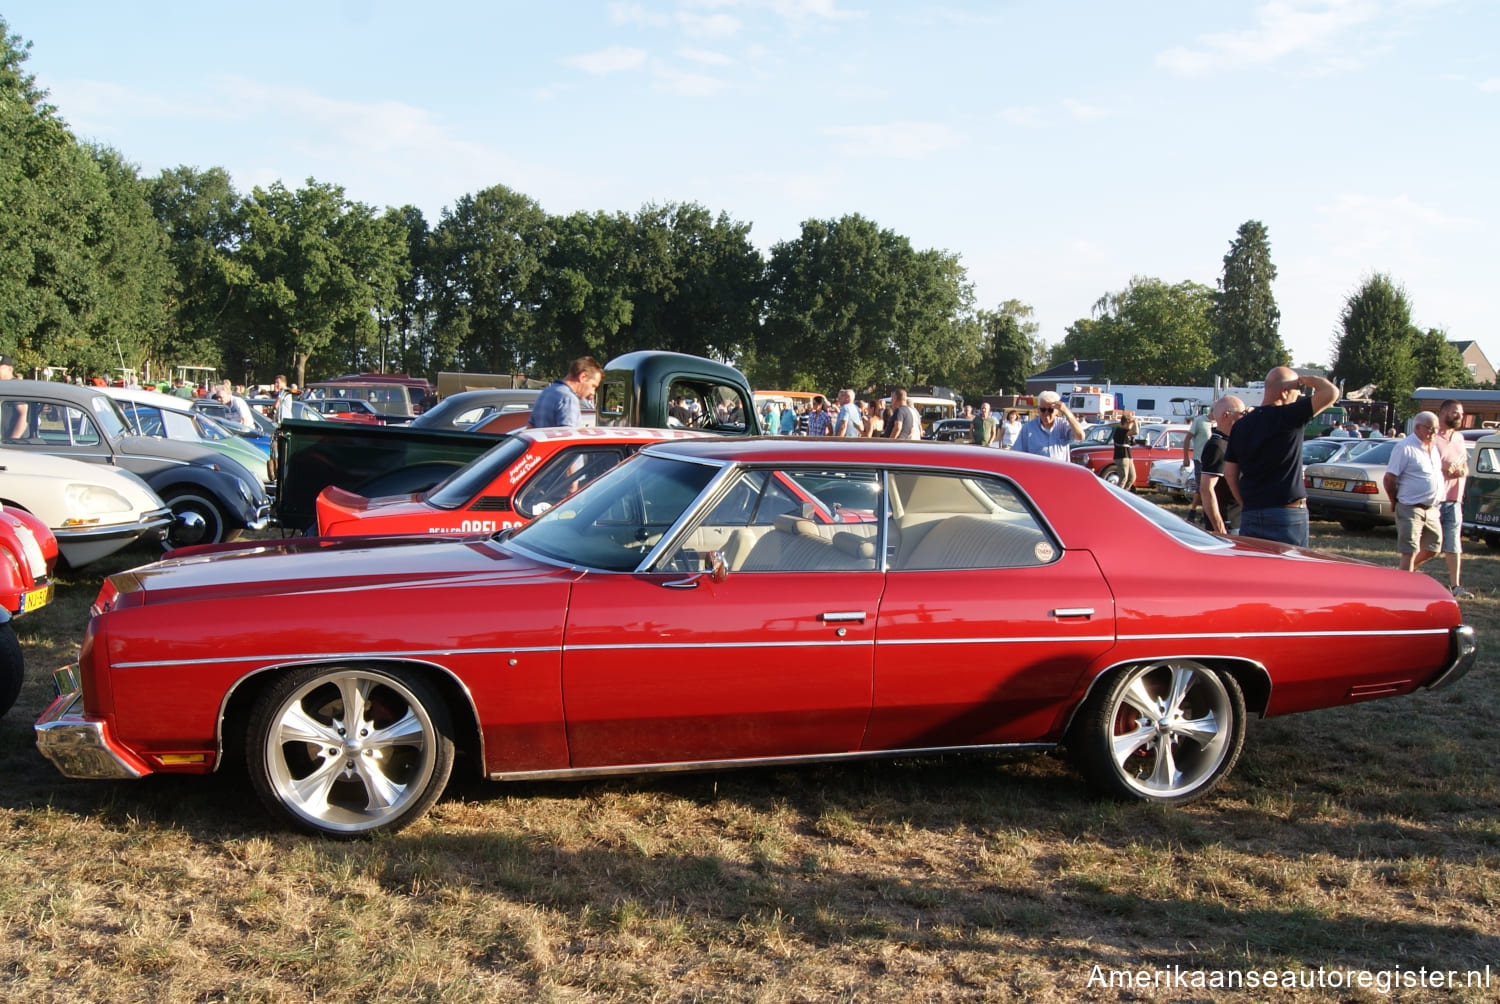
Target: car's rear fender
{"points": [[1254, 681]]}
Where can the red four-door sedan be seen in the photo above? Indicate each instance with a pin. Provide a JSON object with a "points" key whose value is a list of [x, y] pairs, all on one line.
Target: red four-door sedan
{"points": [[688, 610], [521, 477]]}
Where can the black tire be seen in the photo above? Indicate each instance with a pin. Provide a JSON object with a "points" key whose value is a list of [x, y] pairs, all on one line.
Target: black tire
{"points": [[216, 522], [1356, 524], [312, 773], [1165, 732], [1492, 541], [1111, 474], [12, 667]]}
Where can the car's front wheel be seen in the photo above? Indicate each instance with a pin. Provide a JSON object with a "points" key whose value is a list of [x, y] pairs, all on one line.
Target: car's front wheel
{"points": [[12, 667], [1111, 474], [1165, 732], [349, 751], [198, 518]]}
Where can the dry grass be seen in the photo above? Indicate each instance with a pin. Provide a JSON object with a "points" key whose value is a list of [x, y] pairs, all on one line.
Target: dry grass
{"points": [[1365, 838]]}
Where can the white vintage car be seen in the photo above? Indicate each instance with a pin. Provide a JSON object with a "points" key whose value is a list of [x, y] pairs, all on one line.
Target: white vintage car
{"points": [[1171, 477], [94, 510]]}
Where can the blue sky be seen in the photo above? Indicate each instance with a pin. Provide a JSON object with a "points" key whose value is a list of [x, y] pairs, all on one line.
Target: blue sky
{"points": [[1058, 148]]}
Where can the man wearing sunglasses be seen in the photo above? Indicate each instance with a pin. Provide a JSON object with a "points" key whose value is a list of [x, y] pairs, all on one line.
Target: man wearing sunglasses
{"points": [[1045, 435]]}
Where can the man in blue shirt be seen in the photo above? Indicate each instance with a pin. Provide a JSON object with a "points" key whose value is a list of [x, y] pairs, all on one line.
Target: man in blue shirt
{"points": [[561, 402], [1045, 435]]}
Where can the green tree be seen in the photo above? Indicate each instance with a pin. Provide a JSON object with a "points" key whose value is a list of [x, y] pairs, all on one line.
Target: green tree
{"points": [[1148, 333], [131, 271], [1013, 347], [56, 245], [1246, 338], [1376, 344], [850, 304], [318, 270], [203, 219], [586, 290], [487, 253], [407, 332], [697, 282], [1437, 363]]}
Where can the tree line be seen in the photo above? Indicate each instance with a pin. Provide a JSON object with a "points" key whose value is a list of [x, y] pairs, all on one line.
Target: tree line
{"points": [[101, 268]]}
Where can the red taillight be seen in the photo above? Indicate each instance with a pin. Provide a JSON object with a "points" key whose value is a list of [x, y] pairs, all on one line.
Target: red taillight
{"points": [[1366, 488]]}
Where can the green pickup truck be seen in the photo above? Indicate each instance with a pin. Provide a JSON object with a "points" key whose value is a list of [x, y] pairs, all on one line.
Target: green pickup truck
{"points": [[638, 390]]}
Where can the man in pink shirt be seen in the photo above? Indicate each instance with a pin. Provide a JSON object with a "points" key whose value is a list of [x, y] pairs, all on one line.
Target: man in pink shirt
{"points": [[1455, 451]]}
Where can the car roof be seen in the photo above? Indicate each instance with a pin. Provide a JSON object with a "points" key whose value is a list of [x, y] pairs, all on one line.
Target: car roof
{"points": [[138, 396], [53, 388], [802, 450]]}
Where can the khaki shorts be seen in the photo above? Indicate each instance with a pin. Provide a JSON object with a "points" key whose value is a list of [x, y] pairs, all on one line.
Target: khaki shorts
{"points": [[1418, 528]]}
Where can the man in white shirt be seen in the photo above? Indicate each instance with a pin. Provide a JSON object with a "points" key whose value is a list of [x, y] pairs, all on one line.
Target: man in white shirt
{"points": [[849, 421], [1414, 481]]}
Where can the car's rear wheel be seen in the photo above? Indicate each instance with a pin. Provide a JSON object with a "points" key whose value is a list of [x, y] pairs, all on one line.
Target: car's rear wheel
{"points": [[349, 751], [12, 668], [1165, 732], [198, 518]]}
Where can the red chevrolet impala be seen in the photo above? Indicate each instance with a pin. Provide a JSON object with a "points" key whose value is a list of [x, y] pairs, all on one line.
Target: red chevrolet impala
{"points": [[688, 609]]}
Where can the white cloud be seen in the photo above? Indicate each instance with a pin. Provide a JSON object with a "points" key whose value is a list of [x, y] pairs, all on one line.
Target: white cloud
{"points": [[1080, 110], [1283, 28], [895, 140], [1027, 116], [686, 85], [634, 13], [708, 25], [614, 59], [1490, 86], [1366, 224], [705, 57]]}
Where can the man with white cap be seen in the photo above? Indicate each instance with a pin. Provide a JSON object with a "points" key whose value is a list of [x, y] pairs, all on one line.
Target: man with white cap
{"points": [[1045, 435]]}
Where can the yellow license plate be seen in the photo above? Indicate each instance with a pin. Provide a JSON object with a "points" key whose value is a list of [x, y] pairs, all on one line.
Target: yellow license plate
{"points": [[35, 599], [1332, 485]]}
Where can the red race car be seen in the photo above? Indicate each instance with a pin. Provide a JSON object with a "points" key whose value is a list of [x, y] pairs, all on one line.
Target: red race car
{"points": [[30, 553], [687, 611], [524, 475]]}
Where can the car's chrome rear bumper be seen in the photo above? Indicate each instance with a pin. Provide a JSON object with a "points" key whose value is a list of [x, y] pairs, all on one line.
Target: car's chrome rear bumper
{"points": [[77, 746], [1464, 651]]}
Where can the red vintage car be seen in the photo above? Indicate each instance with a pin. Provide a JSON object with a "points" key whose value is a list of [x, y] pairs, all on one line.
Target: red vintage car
{"points": [[29, 551], [687, 611], [1155, 442], [521, 477]]}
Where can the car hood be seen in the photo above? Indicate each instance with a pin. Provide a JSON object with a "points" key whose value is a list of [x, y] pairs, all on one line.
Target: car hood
{"points": [[327, 564]]}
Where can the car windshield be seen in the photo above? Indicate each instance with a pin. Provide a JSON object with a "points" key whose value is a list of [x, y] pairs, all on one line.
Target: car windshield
{"points": [[616, 521], [111, 419], [460, 487]]}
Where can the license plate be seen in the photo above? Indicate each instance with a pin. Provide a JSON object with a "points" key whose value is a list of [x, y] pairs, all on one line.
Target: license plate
{"points": [[1333, 485], [35, 599]]}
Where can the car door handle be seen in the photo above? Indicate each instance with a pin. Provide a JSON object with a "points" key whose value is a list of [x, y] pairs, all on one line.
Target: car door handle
{"points": [[843, 617], [1084, 612]]}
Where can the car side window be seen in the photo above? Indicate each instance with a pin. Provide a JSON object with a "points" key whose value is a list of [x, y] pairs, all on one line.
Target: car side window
{"points": [[779, 520], [942, 521], [563, 475], [16, 420]]}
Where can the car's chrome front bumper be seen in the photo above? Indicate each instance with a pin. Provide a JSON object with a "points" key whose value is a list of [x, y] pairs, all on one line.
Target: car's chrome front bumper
{"points": [[77, 746], [1464, 651]]}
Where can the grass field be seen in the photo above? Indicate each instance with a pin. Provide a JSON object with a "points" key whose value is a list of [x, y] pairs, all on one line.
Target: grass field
{"points": [[1355, 844]]}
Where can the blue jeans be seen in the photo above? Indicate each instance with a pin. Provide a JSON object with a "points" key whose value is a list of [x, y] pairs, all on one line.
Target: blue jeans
{"points": [[1278, 523], [1453, 531]]}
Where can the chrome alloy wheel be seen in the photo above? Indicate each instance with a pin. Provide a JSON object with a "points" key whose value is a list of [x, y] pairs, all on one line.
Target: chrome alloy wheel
{"points": [[350, 751], [1164, 731]]}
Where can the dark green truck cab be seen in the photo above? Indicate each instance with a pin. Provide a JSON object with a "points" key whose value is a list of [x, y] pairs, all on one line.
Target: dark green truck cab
{"points": [[639, 389]]}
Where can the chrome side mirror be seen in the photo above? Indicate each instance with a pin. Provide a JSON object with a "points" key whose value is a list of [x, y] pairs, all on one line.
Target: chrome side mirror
{"points": [[718, 568]]}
